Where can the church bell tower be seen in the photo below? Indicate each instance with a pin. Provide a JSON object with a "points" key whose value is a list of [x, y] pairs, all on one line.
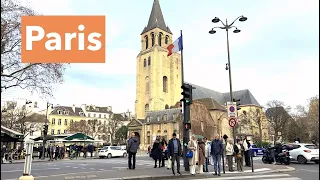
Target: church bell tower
{"points": [[158, 78]]}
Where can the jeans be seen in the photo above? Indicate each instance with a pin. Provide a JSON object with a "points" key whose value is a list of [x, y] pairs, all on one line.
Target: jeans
{"points": [[206, 164], [230, 162], [175, 158], [132, 164], [217, 163]]}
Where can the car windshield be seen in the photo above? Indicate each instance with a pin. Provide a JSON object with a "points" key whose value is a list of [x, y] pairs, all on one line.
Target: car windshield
{"points": [[311, 146], [104, 148]]}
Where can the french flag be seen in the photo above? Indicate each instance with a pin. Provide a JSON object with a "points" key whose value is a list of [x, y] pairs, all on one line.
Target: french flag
{"points": [[176, 46]]}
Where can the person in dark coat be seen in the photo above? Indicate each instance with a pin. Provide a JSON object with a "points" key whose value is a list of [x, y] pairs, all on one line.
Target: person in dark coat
{"points": [[164, 153], [174, 152], [156, 152], [132, 148]]}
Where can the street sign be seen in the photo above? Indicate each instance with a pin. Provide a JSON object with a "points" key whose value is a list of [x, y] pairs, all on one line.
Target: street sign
{"points": [[232, 109], [232, 122]]}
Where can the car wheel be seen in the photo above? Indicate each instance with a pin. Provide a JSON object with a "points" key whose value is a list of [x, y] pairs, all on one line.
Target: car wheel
{"points": [[109, 156], [255, 154], [124, 154], [302, 160], [317, 162]]}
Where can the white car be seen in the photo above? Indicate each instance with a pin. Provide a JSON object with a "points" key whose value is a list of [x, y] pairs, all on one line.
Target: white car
{"points": [[304, 153], [112, 151]]}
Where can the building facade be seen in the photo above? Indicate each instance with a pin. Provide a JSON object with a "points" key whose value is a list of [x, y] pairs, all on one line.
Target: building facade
{"points": [[158, 92]]}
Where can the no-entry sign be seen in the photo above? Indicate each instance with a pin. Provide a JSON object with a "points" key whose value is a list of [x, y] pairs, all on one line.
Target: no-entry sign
{"points": [[232, 122]]}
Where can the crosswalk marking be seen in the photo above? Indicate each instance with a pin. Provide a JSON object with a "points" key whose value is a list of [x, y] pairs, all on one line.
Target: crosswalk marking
{"points": [[261, 177]]}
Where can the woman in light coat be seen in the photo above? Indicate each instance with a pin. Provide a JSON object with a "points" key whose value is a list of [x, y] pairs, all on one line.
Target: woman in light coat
{"points": [[230, 154], [193, 146]]}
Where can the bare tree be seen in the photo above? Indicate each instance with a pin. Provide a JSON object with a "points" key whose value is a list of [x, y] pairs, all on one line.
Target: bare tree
{"points": [[36, 77], [254, 115], [313, 118], [113, 125], [91, 128], [15, 117], [278, 116]]}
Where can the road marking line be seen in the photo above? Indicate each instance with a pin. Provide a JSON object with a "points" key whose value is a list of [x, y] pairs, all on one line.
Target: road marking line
{"points": [[55, 175], [308, 170], [255, 176]]}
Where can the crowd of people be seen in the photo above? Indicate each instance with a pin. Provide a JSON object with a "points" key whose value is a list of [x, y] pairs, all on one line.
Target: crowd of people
{"points": [[201, 153]]}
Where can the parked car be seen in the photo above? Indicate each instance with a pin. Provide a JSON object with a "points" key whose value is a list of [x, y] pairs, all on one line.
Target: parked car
{"points": [[112, 151], [256, 151], [303, 153]]}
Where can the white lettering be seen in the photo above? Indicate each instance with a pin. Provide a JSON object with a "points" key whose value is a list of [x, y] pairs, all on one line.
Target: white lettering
{"points": [[56, 41], [81, 38], [97, 43], [30, 38], [68, 40]]}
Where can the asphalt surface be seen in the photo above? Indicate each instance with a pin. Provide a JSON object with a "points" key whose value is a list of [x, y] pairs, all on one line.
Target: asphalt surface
{"points": [[115, 167]]}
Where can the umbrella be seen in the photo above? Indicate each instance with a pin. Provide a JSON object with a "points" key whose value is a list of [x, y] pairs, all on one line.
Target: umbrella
{"points": [[78, 136]]}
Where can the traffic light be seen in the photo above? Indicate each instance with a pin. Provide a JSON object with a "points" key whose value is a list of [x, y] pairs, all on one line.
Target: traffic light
{"points": [[238, 103], [45, 129], [187, 93], [187, 126]]}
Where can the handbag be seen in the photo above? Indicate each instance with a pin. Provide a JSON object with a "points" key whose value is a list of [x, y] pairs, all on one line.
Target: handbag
{"points": [[189, 154], [239, 156]]}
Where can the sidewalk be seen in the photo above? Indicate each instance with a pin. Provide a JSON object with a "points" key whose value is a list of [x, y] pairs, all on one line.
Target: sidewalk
{"points": [[164, 173], [36, 160]]}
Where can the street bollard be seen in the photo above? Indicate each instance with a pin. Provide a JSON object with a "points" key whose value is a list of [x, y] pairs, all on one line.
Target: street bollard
{"points": [[251, 159], [28, 161]]}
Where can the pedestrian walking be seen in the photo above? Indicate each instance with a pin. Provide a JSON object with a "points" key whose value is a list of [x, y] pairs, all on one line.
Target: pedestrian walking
{"points": [[239, 152], [230, 154], [174, 152], [156, 151], [193, 147], [202, 155], [132, 148], [216, 152], [207, 154]]}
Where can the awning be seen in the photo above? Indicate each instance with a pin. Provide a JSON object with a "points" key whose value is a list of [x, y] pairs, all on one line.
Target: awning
{"points": [[78, 136], [48, 137], [199, 137]]}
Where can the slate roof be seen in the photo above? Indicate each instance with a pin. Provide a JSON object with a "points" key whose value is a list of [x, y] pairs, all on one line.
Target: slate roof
{"points": [[245, 95], [68, 109], [98, 109], [156, 19], [152, 115]]}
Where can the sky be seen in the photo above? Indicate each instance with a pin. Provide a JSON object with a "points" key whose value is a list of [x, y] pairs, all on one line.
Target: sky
{"points": [[275, 56]]}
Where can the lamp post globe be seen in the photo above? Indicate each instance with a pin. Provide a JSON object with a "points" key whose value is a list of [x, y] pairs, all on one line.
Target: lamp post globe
{"points": [[215, 20], [242, 19], [236, 31], [212, 31]]}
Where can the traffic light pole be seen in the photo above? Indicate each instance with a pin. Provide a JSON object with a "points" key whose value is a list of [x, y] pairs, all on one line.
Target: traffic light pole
{"points": [[186, 113]]}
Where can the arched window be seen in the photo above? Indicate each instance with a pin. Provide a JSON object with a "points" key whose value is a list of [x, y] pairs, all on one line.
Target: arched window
{"points": [[146, 108], [152, 39], [147, 41], [159, 39], [167, 106], [165, 84], [166, 40], [149, 61], [147, 84], [144, 63]]}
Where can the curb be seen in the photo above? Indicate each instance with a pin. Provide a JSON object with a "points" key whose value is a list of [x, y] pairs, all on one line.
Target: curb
{"points": [[158, 177]]}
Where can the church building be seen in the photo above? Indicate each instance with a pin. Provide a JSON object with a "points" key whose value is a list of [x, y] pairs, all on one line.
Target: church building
{"points": [[158, 91]]}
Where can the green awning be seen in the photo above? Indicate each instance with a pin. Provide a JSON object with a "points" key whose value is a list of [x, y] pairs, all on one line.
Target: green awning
{"points": [[79, 136]]}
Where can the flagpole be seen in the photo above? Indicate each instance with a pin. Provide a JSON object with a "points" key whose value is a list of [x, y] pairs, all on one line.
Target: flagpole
{"points": [[184, 114]]}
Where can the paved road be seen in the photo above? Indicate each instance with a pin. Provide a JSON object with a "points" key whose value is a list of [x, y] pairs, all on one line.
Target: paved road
{"points": [[276, 176], [308, 171], [67, 168]]}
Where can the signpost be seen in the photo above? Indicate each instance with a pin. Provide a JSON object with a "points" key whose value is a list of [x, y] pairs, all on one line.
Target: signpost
{"points": [[232, 109]]}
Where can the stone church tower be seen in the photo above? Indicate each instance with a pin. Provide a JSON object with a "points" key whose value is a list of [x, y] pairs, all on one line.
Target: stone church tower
{"points": [[158, 81]]}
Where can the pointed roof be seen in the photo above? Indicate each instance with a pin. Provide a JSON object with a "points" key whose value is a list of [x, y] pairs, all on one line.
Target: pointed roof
{"points": [[156, 19]]}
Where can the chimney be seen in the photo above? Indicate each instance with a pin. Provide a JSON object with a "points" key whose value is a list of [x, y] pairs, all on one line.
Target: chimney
{"points": [[74, 108], [110, 108]]}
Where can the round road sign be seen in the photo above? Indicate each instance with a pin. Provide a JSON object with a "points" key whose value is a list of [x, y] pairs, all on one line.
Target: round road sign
{"points": [[232, 122], [231, 109]]}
